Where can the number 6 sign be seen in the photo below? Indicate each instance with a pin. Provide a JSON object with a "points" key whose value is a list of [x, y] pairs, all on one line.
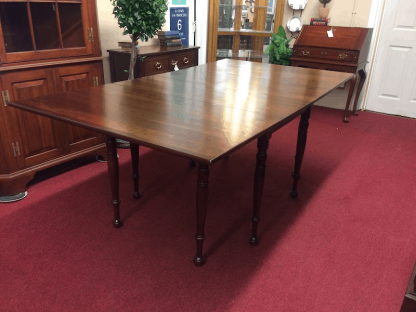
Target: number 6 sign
{"points": [[179, 20]]}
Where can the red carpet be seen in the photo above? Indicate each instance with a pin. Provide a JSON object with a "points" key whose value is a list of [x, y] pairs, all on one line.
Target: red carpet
{"points": [[348, 243]]}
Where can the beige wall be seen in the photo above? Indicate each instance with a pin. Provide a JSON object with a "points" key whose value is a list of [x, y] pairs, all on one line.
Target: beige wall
{"points": [[340, 14]]}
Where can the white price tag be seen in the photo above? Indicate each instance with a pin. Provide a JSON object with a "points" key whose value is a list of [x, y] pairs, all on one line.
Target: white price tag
{"points": [[176, 68], [330, 34]]}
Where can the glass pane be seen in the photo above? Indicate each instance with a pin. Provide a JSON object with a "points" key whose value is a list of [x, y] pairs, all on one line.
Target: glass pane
{"points": [[226, 14], [45, 26], [247, 50], [15, 25], [224, 47], [249, 16], [71, 25]]}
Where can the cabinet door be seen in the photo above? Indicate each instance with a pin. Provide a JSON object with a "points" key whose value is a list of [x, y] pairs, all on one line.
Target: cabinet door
{"points": [[37, 30], [37, 138], [73, 78]]}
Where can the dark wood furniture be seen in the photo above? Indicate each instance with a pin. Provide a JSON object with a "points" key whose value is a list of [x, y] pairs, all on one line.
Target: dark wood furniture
{"points": [[409, 301], [45, 48], [152, 60], [347, 52], [202, 113]]}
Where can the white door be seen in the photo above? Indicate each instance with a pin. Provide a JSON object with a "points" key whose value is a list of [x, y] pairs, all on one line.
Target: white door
{"points": [[392, 88]]}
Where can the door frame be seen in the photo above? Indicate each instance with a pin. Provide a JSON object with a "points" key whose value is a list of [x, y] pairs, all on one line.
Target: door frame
{"points": [[375, 20]]}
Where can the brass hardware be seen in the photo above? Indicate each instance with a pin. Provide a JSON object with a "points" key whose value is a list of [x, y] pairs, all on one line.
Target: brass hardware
{"points": [[90, 34], [174, 63], [324, 53], [306, 52], [16, 150], [343, 56], [95, 81], [185, 60], [158, 65], [6, 97]]}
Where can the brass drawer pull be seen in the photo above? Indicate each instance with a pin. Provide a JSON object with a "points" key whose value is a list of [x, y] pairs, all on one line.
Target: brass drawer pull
{"points": [[185, 60], [174, 63], [306, 52], [343, 56], [324, 53], [158, 65]]}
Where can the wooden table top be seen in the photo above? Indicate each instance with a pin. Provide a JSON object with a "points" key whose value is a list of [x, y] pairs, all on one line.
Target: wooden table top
{"points": [[202, 113]]}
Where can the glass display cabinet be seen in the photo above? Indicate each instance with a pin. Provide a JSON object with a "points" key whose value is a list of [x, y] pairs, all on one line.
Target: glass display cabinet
{"points": [[241, 29], [46, 46]]}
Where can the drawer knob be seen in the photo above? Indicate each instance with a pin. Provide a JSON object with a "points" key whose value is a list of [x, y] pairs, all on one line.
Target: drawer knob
{"points": [[185, 60], [305, 52], [174, 63], [343, 56], [324, 53], [158, 65]]}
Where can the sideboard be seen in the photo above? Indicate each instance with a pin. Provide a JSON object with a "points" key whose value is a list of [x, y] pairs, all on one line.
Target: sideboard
{"points": [[152, 60]]}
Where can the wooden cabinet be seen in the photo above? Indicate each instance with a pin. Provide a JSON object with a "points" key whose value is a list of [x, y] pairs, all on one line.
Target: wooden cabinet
{"points": [[45, 48], [241, 30], [152, 60], [347, 52]]}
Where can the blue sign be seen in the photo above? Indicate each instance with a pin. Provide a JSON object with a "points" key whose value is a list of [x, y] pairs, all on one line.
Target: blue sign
{"points": [[179, 20]]}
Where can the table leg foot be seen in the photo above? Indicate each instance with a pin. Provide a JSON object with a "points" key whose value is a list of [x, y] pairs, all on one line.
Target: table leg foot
{"points": [[254, 241], [293, 193], [346, 119], [201, 211], [262, 146], [300, 149], [117, 223], [199, 261]]}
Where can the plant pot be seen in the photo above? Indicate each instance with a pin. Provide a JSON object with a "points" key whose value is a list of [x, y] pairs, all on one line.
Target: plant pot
{"points": [[323, 12]]}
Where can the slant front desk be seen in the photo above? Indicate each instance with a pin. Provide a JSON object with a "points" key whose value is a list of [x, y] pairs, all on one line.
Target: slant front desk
{"points": [[192, 113]]}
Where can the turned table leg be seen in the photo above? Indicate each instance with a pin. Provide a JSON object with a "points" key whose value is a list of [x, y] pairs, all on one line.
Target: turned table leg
{"points": [[134, 150], [363, 77], [262, 146], [112, 164], [201, 211], [350, 93], [300, 148]]}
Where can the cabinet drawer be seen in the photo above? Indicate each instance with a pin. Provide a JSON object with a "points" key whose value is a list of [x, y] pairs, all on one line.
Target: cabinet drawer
{"points": [[324, 54], [156, 65], [185, 60]]}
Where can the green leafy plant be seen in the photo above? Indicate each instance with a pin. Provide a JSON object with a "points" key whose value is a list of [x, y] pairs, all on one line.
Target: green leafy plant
{"points": [[324, 2], [279, 52], [141, 19]]}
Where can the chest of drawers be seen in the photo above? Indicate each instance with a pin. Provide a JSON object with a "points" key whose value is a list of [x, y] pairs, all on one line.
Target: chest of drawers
{"points": [[152, 60]]}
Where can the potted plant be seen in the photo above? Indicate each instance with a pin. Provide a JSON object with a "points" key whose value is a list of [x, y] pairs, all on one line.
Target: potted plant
{"points": [[279, 52], [324, 12], [141, 19]]}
